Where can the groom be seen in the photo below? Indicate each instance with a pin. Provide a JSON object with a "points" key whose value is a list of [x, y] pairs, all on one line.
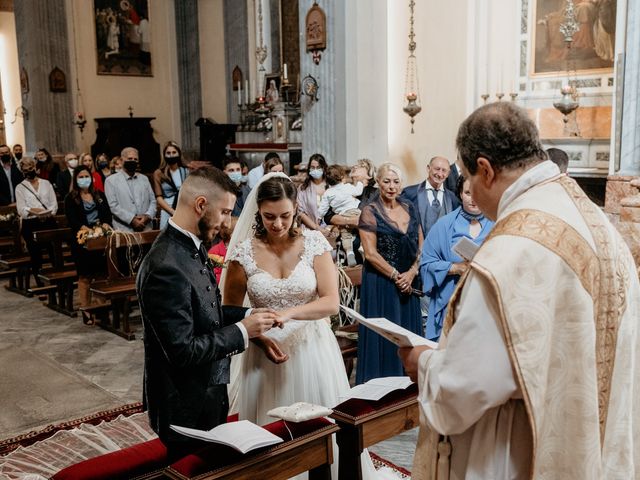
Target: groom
{"points": [[188, 336]]}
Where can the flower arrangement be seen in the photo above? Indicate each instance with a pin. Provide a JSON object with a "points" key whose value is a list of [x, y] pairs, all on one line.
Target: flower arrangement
{"points": [[217, 261], [97, 231], [8, 217]]}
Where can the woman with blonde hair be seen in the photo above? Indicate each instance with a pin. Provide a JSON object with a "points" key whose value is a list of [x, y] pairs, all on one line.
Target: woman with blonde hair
{"points": [[392, 239]]}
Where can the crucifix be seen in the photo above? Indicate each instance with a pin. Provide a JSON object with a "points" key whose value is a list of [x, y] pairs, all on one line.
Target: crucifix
{"points": [[130, 111]]}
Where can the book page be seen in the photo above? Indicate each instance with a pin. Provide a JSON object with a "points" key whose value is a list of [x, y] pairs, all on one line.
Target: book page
{"points": [[465, 248], [377, 388], [243, 435], [391, 331]]}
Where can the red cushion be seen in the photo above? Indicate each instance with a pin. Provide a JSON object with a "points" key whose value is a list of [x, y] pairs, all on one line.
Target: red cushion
{"points": [[356, 407], [218, 456], [126, 463]]}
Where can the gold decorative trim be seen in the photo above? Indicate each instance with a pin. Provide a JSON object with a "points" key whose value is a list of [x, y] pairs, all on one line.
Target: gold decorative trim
{"points": [[611, 299], [562, 239]]}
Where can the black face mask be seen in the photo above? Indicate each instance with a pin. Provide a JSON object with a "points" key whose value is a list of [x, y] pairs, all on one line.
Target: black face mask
{"points": [[6, 158], [18, 156], [103, 165], [130, 166], [31, 174], [171, 160]]}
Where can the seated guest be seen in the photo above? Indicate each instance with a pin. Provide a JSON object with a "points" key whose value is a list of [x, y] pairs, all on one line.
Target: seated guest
{"points": [[10, 179], [440, 267], [560, 158], [233, 169], [130, 196], [341, 198], [310, 193], [17, 152], [167, 180], [36, 204], [87, 160], [102, 167], [86, 206], [245, 172], [63, 181], [274, 164], [256, 173], [46, 168]]}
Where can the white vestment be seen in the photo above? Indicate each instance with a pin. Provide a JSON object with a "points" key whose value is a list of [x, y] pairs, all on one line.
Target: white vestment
{"points": [[524, 384]]}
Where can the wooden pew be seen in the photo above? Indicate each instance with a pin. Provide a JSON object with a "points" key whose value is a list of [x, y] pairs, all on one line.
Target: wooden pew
{"points": [[10, 242], [364, 423], [117, 291], [60, 276], [347, 335]]}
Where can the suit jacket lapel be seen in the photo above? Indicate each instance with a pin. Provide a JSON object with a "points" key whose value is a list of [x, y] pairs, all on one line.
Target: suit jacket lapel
{"points": [[447, 203]]}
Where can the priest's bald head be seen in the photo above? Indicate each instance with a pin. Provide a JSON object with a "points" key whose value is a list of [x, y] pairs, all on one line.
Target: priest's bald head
{"points": [[206, 199], [496, 144]]}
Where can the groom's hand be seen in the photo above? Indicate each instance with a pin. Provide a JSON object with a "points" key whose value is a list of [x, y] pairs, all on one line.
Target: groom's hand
{"points": [[260, 321]]}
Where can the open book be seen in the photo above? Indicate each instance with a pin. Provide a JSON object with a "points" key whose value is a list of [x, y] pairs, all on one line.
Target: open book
{"points": [[243, 435], [391, 331], [376, 388], [465, 248]]}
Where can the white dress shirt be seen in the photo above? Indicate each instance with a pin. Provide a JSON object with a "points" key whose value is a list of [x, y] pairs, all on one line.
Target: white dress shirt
{"points": [[28, 197], [197, 242], [431, 191]]}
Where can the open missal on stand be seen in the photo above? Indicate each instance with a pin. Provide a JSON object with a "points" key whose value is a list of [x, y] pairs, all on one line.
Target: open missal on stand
{"points": [[243, 435], [391, 331]]}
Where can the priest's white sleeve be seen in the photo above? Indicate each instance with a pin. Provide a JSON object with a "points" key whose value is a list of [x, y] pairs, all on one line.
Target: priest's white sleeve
{"points": [[472, 373]]}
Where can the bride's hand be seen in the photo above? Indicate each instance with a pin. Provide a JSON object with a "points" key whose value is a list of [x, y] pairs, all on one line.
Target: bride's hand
{"points": [[272, 350], [283, 317]]}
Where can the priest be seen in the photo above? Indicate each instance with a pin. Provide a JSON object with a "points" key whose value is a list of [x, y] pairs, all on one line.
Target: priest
{"points": [[536, 374]]}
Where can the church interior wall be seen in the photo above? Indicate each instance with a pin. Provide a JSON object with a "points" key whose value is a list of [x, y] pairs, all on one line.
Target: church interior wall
{"points": [[10, 77], [212, 60]]}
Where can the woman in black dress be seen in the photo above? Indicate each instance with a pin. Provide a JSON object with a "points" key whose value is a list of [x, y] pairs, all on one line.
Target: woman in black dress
{"points": [[86, 206]]}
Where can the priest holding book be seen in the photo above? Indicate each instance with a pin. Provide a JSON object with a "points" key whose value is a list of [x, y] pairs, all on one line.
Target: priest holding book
{"points": [[535, 375]]}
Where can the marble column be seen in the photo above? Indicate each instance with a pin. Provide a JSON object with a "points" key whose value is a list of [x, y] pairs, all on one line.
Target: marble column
{"points": [[189, 81], [236, 52], [43, 44], [324, 123]]}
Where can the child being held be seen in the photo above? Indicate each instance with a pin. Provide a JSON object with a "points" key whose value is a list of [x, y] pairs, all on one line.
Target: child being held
{"points": [[341, 198]]}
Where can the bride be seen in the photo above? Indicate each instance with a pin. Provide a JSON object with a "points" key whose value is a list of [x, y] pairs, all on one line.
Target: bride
{"points": [[291, 271]]}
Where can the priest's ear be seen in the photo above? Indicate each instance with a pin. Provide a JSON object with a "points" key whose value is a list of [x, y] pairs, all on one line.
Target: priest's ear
{"points": [[485, 171]]}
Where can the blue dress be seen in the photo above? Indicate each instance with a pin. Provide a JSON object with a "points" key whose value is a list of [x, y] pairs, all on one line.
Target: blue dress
{"points": [[437, 258], [379, 296]]}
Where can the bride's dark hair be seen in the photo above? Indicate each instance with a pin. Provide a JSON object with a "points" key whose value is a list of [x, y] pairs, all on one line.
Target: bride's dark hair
{"points": [[273, 190]]}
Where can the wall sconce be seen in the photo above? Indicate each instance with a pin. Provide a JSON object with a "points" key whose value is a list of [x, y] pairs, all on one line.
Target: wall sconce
{"points": [[80, 121], [22, 112]]}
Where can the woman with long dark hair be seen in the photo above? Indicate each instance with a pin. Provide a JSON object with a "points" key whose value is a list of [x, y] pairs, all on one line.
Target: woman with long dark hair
{"points": [[86, 206], [167, 180], [46, 168], [311, 191]]}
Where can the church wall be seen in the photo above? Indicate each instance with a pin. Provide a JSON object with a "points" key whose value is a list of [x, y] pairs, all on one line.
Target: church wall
{"points": [[10, 77], [212, 61], [111, 95]]}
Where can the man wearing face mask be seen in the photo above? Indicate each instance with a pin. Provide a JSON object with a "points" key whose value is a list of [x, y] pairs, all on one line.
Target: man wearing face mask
{"points": [[10, 178], [189, 337], [233, 169], [130, 196], [63, 181], [17, 152]]}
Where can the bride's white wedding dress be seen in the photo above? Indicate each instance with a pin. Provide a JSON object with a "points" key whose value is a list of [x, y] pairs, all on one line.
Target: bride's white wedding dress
{"points": [[314, 372]]}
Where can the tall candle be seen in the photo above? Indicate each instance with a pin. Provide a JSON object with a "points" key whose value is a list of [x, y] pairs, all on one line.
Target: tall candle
{"points": [[246, 92], [239, 93], [285, 72]]}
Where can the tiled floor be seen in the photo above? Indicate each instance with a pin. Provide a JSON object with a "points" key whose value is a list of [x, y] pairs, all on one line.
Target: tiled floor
{"points": [[107, 360]]}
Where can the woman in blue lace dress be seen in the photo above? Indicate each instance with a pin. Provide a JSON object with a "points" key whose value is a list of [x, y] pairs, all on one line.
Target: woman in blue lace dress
{"points": [[392, 240]]}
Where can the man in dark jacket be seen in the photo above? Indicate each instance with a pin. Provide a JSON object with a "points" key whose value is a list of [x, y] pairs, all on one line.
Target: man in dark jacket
{"points": [[430, 199], [10, 177], [188, 336]]}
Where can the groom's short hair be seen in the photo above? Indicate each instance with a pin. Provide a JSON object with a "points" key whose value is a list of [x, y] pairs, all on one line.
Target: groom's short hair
{"points": [[208, 181]]}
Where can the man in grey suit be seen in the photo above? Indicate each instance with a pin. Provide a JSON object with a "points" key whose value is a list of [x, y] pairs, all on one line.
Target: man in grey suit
{"points": [[189, 336], [430, 199]]}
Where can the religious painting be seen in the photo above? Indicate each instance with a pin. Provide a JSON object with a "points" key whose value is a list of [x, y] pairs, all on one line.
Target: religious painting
{"points": [[123, 37], [593, 46], [272, 88], [57, 81]]}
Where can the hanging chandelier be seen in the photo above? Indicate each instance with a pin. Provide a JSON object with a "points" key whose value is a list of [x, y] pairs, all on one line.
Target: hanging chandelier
{"points": [[568, 102], [411, 88], [261, 52]]}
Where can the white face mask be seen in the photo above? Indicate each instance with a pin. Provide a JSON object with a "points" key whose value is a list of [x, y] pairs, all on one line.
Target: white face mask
{"points": [[316, 173], [72, 163]]}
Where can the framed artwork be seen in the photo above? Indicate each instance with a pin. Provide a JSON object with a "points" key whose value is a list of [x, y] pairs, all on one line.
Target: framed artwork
{"points": [[593, 44], [123, 37], [272, 88], [57, 81]]}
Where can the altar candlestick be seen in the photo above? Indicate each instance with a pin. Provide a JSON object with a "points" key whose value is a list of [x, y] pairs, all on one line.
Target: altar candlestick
{"points": [[246, 92], [285, 72], [239, 93]]}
